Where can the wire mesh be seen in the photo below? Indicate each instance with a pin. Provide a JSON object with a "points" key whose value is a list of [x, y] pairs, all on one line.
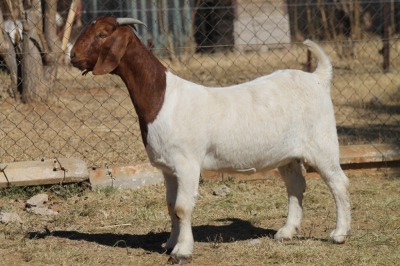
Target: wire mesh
{"points": [[212, 42]]}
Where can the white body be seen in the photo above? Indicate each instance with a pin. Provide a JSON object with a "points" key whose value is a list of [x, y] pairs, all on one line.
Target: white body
{"points": [[279, 120], [258, 125]]}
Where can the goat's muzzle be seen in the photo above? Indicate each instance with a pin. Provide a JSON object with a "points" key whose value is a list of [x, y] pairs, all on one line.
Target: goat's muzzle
{"points": [[79, 64], [74, 60], [72, 55]]}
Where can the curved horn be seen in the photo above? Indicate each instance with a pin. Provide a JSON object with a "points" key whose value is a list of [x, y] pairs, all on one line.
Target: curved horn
{"points": [[129, 21]]}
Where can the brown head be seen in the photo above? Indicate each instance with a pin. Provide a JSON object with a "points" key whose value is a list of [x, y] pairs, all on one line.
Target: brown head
{"points": [[108, 45], [102, 44]]}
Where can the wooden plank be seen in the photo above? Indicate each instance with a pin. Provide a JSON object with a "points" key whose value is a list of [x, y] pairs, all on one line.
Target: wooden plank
{"points": [[373, 153], [133, 176], [360, 157], [29, 173], [356, 159]]}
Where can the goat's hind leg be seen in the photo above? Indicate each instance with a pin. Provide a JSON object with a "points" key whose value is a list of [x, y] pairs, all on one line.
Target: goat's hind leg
{"points": [[295, 186], [338, 183]]}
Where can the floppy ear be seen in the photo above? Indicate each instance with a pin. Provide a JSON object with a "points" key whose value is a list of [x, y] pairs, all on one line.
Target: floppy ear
{"points": [[111, 53]]}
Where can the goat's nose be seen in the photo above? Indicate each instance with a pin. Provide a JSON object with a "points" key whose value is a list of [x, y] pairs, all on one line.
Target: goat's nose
{"points": [[72, 55]]}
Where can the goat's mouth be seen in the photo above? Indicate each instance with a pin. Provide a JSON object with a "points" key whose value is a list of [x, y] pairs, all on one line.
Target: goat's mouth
{"points": [[81, 66]]}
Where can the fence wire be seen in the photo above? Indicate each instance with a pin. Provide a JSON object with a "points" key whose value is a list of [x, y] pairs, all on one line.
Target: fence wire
{"points": [[212, 42]]}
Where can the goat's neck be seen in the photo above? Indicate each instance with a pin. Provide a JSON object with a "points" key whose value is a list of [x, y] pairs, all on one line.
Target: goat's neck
{"points": [[145, 78]]}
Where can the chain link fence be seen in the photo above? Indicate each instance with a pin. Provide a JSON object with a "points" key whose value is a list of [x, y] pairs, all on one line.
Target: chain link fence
{"points": [[212, 42]]}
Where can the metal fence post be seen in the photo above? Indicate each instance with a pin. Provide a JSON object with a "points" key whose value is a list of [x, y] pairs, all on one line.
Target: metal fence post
{"points": [[386, 33]]}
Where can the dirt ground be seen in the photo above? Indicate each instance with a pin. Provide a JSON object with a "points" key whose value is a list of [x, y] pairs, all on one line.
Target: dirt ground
{"points": [[128, 227]]}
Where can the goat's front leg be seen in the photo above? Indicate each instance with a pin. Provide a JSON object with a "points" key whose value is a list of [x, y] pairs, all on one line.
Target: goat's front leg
{"points": [[182, 191], [171, 185]]}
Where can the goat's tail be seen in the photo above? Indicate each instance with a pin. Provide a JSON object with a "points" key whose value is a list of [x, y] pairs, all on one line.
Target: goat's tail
{"points": [[324, 68]]}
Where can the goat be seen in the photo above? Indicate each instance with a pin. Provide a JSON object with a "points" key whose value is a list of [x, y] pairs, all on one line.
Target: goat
{"points": [[14, 28], [278, 120]]}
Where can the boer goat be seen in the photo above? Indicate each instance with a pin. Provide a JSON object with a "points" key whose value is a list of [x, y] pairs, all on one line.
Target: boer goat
{"points": [[279, 120]]}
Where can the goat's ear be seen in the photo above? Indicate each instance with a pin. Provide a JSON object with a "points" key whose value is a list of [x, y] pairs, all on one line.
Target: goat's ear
{"points": [[111, 53]]}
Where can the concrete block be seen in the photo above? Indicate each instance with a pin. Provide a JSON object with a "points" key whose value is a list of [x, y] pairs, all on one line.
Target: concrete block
{"points": [[128, 176], [45, 172]]}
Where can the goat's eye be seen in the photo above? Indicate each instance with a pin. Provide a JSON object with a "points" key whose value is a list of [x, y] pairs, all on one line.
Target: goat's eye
{"points": [[101, 36]]}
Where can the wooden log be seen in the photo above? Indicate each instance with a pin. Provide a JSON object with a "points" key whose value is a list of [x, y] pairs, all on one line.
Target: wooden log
{"points": [[30, 173], [133, 176]]}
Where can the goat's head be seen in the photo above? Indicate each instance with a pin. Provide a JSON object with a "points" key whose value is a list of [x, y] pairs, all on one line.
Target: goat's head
{"points": [[102, 44]]}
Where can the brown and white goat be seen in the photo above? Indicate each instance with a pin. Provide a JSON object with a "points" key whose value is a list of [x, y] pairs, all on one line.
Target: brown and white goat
{"points": [[273, 121]]}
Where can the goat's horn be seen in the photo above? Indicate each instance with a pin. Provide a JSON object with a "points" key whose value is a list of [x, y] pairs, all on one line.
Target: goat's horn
{"points": [[129, 21]]}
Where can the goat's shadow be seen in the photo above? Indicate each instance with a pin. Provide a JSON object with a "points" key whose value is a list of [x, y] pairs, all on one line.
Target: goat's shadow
{"points": [[235, 231]]}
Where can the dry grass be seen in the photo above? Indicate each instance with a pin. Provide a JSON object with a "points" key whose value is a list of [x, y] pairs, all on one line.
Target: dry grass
{"points": [[231, 230]]}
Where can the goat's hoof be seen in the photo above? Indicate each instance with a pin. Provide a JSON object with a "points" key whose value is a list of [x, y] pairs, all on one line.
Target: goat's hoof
{"points": [[168, 248], [181, 254], [338, 238], [181, 260], [283, 234]]}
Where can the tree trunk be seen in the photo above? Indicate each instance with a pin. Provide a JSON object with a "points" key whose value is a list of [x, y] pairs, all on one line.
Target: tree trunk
{"points": [[325, 24], [310, 21], [36, 87]]}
